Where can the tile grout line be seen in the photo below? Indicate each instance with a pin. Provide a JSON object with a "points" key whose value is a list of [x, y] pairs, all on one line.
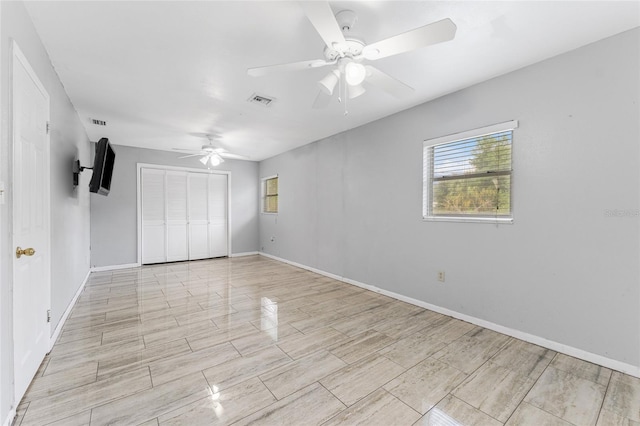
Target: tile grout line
{"points": [[24, 413], [515, 372], [604, 398], [534, 385], [404, 403], [510, 339], [456, 386], [346, 407], [471, 374], [379, 387], [267, 387], [150, 376]]}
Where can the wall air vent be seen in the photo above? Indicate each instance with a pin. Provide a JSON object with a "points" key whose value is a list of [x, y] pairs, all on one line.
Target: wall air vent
{"points": [[98, 122], [261, 100]]}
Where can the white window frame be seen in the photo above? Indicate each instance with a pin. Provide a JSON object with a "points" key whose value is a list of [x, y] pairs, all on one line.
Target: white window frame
{"points": [[263, 193], [427, 183]]}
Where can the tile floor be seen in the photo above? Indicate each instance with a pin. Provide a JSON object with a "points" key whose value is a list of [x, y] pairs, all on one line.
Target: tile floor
{"points": [[254, 341]]}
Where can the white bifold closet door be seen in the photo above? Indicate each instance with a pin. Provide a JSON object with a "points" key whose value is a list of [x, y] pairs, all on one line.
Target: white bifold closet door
{"points": [[154, 224], [177, 217], [184, 215], [198, 216], [218, 215]]}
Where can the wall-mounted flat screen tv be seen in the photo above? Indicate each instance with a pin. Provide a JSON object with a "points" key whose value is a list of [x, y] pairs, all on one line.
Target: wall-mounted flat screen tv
{"points": [[102, 168]]}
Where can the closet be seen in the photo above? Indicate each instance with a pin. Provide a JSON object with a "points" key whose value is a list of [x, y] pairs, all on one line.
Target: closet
{"points": [[183, 215]]}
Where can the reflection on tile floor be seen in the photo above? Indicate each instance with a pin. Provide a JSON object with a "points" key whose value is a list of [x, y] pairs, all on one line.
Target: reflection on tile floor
{"points": [[254, 341]]}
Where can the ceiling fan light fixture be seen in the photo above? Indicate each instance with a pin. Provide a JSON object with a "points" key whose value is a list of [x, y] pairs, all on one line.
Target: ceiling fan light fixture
{"points": [[355, 91], [328, 83], [216, 160], [354, 73], [204, 159]]}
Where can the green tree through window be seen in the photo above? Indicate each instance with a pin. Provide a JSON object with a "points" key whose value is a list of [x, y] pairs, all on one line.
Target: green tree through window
{"points": [[471, 177]]}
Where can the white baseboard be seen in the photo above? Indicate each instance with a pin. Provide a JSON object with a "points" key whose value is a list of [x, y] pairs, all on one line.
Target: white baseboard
{"points": [[300, 265], [114, 267], [58, 329], [613, 364], [246, 253], [10, 417]]}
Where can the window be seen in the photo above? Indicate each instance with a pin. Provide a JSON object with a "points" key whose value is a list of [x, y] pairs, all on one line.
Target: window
{"points": [[270, 194], [467, 176]]}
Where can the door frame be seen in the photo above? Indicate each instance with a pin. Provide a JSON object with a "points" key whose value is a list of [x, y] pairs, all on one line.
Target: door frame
{"points": [[2, 201], [140, 166], [18, 57]]}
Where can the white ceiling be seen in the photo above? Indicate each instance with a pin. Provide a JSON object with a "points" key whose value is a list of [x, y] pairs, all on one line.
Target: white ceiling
{"points": [[160, 73]]}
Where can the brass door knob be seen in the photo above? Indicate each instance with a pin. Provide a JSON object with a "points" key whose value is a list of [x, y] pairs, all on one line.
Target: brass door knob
{"points": [[27, 252]]}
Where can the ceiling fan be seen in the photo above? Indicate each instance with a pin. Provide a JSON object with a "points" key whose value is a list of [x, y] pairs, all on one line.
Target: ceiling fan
{"points": [[347, 53], [210, 154]]}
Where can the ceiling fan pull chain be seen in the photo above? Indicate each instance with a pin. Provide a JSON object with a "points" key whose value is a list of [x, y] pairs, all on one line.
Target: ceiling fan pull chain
{"points": [[346, 96]]}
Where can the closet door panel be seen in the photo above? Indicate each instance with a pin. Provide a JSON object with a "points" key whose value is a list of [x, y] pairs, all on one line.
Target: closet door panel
{"points": [[177, 216], [198, 216], [154, 242], [218, 216]]}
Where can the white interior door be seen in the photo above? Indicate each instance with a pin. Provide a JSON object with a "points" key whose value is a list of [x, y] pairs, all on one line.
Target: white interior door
{"points": [[177, 217], [154, 241], [218, 246], [31, 228], [198, 216]]}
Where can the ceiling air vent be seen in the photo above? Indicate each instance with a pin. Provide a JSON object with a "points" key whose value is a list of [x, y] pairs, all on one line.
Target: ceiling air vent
{"points": [[261, 100], [98, 122]]}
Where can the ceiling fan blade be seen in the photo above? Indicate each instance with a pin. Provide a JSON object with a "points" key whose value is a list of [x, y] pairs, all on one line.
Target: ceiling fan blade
{"points": [[427, 35], [192, 155], [212, 149], [292, 66], [233, 156], [185, 150], [387, 83], [322, 100], [322, 19]]}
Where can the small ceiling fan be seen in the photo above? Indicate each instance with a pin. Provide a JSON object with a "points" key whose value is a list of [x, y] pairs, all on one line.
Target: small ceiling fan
{"points": [[347, 53], [210, 154]]}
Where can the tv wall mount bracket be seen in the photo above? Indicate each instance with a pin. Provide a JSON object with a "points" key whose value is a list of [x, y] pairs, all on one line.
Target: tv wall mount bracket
{"points": [[77, 169]]}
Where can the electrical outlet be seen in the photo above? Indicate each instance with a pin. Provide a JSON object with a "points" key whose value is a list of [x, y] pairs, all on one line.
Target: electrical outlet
{"points": [[441, 276]]}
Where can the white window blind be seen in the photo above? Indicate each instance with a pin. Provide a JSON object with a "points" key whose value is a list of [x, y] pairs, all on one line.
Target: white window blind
{"points": [[468, 175]]}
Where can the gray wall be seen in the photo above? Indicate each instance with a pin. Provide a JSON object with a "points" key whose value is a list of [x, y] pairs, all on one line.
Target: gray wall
{"points": [[114, 231], [351, 204], [69, 206]]}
